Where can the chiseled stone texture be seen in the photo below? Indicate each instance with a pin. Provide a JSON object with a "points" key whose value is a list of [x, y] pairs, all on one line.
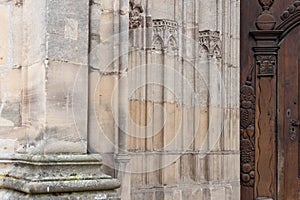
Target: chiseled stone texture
{"points": [[183, 77], [60, 64], [53, 176]]}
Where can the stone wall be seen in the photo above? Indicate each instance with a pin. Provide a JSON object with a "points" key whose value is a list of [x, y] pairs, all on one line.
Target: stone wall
{"points": [[151, 85], [183, 96], [44, 103]]}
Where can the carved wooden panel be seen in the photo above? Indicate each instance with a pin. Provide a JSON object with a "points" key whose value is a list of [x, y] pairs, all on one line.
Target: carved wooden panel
{"points": [[247, 101], [266, 65], [275, 143]]}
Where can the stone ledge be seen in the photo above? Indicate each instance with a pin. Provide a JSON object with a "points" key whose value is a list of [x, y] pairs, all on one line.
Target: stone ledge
{"points": [[45, 186], [49, 174], [104, 195]]}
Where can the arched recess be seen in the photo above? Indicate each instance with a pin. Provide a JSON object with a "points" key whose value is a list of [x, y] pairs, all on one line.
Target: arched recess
{"points": [[158, 43], [263, 155]]}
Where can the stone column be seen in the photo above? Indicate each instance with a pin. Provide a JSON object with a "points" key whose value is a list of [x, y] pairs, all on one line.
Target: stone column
{"points": [[122, 158], [50, 157]]}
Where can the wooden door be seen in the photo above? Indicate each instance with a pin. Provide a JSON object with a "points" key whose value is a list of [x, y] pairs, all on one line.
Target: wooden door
{"points": [[289, 115], [270, 99]]}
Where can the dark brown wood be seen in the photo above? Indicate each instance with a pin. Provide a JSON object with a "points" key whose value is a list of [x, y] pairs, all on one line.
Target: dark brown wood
{"points": [[288, 114], [274, 84], [265, 113]]}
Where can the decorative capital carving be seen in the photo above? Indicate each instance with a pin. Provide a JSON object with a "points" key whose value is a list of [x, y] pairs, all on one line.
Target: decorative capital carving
{"points": [[266, 65], [19, 3], [292, 9], [165, 34], [210, 40], [135, 17]]}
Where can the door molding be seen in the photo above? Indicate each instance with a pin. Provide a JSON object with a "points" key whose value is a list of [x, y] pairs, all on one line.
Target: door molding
{"points": [[258, 103]]}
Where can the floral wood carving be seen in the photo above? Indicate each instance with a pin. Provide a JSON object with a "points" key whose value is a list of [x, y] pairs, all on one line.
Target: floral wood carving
{"points": [[210, 40], [135, 17], [247, 110], [293, 8], [266, 65]]}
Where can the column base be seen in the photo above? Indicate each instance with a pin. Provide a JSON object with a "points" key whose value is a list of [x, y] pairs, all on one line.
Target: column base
{"points": [[55, 176]]}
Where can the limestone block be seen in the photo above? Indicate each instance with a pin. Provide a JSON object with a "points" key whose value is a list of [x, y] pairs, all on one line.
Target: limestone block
{"points": [[67, 30], [187, 168], [201, 129], [188, 128], [10, 98], [163, 10], [59, 115], [200, 168], [5, 36], [105, 42], [34, 95], [8, 146], [231, 130], [137, 126], [101, 114], [170, 173], [178, 127], [17, 35], [34, 23], [158, 124], [217, 193], [153, 168], [215, 165], [170, 133], [207, 15], [193, 192], [66, 116], [233, 191]]}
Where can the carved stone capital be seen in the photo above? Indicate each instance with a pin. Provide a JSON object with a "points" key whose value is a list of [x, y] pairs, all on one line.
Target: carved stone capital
{"points": [[210, 41], [165, 34], [135, 15]]}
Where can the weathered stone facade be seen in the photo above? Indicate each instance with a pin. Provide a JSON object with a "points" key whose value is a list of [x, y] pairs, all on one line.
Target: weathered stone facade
{"points": [[150, 85]]}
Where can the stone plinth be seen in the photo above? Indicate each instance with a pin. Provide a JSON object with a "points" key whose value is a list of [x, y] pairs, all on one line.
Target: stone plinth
{"points": [[55, 177]]}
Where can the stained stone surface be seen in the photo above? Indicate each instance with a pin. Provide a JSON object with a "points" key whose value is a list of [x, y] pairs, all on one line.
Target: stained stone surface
{"points": [[183, 97], [60, 65], [41, 175]]}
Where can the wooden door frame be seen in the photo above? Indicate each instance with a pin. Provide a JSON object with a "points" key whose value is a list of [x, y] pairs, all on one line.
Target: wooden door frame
{"points": [[258, 108]]}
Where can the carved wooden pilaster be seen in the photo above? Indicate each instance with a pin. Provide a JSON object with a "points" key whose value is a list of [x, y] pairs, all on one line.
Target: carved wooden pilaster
{"points": [[265, 55], [263, 87]]}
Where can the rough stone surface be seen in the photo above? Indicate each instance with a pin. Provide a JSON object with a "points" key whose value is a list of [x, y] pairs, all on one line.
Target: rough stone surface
{"points": [[54, 174], [183, 78], [61, 63]]}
